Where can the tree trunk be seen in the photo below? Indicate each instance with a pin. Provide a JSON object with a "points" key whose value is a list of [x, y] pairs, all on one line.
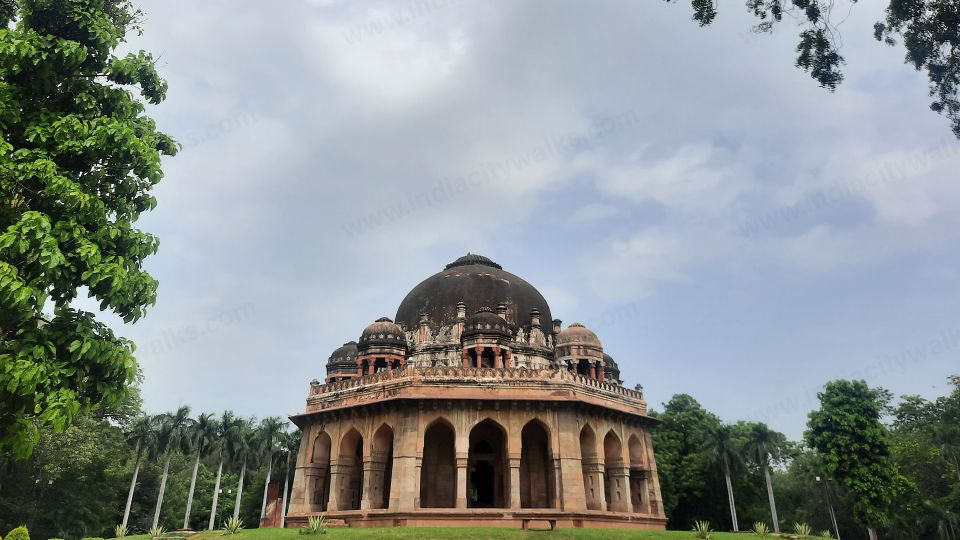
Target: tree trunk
{"points": [[236, 507], [193, 485], [163, 487], [871, 533], [733, 506], [133, 484], [266, 485], [216, 495], [286, 483], [773, 503]]}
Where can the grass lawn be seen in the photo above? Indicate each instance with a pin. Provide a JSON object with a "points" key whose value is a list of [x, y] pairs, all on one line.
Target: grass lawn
{"points": [[468, 533]]}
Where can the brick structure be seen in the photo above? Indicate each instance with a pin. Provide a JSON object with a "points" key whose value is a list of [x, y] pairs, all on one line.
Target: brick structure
{"points": [[445, 418]]}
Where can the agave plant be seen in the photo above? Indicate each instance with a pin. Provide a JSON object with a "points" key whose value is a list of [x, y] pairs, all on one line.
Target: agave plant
{"points": [[119, 531], [760, 529], [802, 529], [156, 532], [825, 534], [232, 525], [315, 525], [701, 529]]}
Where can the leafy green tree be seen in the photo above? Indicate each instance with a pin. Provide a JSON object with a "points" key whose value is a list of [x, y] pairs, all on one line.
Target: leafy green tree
{"points": [[685, 471], [174, 437], [854, 447], [203, 435], [722, 450], [78, 158], [762, 445], [929, 30]]}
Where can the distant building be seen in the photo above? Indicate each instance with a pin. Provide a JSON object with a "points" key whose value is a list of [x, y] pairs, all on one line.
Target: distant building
{"points": [[474, 407]]}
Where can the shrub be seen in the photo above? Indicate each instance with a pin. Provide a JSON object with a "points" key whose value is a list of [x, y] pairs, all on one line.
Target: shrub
{"points": [[20, 533], [315, 525], [825, 534], [232, 526], [701, 529], [802, 529], [119, 531], [760, 529], [156, 532]]}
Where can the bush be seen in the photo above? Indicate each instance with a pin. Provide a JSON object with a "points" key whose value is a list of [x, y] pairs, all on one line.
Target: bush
{"points": [[315, 525], [701, 529], [760, 529], [156, 532], [233, 526], [20, 533], [120, 531]]}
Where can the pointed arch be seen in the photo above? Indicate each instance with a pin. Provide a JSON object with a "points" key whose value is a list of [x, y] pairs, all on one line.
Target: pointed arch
{"points": [[318, 479], [438, 473], [591, 467], [381, 454], [488, 468], [613, 488], [537, 489], [350, 462], [639, 494]]}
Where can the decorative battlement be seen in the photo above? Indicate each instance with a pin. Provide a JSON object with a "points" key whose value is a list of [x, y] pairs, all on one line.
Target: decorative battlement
{"points": [[472, 383]]}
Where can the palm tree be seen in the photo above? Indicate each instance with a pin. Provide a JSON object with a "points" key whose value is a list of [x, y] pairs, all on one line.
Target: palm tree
{"points": [[241, 448], [270, 430], [202, 434], [142, 433], [722, 449], [762, 444], [221, 446], [174, 429], [291, 442]]}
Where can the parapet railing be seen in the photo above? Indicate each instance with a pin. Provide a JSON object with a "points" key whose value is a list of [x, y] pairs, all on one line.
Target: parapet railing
{"points": [[440, 373]]}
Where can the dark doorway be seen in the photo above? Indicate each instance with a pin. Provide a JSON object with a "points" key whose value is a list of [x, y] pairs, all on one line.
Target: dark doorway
{"points": [[488, 484], [481, 478], [438, 475]]}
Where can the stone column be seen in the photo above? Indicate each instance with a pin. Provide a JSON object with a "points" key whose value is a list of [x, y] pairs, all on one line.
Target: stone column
{"points": [[555, 470], [465, 357], [515, 482], [656, 502], [570, 482], [619, 488], [479, 349], [497, 363], [405, 485], [509, 358], [372, 479], [600, 374], [461, 487], [336, 480]]}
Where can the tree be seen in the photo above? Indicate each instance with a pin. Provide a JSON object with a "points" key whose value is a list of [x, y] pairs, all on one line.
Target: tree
{"points": [[202, 434], [270, 431], [78, 158], [241, 448], [142, 433], [291, 443], [853, 446], [762, 445], [223, 442], [174, 436], [929, 30], [723, 451]]}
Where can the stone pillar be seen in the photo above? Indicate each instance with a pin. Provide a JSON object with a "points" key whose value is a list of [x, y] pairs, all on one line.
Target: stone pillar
{"points": [[479, 349], [372, 483], [619, 488], [359, 368], [405, 485], [497, 363], [336, 481], [555, 470], [656, 501], [593, 370], [465, 357], [600, 374], [509, 358], [570, 483], [461, 487], [515, 483]]}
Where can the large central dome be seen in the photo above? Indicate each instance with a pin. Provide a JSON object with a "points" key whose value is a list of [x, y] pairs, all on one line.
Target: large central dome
{"points": [[478, 282]]}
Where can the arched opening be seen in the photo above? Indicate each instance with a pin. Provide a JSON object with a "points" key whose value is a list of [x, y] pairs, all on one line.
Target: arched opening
{"points": [[438, 473], [638, 475], [351, 467], [379, 364], [591, 467], [381, 467], [613, 488], [487, 358], [487, 482], [583, 367], [537, 488], [319, 479]]}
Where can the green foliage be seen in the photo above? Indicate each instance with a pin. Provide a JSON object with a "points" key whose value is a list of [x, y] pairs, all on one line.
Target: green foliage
{"points": [[929, 29], [19, 533], [156, 532], [701, 529], [78, 158], [233, 525], [853, 447], [802, 529], [120, 531], [315, 525], [760, 529], [825, 534]]}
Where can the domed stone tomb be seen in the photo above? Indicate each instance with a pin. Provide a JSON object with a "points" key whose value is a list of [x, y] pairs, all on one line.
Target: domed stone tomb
{"points": [[475, 407]]}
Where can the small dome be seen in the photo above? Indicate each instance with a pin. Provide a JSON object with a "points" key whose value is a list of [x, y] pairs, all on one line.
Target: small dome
{"points": [[344, 359], [485, 321], [383, 332], [577, 333], [610, 368]]}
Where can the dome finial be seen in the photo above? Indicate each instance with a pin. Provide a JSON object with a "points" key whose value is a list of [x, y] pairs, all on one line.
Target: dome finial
{"points": [[472, 258]]}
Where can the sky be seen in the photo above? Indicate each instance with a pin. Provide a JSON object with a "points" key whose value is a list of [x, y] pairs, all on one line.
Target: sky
{"points": [[729, 229]]}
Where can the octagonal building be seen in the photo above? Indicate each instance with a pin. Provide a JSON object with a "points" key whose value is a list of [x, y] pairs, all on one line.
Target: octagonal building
{"points": [[473, 407]]}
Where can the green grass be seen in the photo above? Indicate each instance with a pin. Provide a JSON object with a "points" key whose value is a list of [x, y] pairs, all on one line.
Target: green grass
{"points": [[471, 533]]}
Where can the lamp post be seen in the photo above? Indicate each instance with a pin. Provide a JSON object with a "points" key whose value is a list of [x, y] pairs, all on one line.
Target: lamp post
{"points": [[833, 516]]}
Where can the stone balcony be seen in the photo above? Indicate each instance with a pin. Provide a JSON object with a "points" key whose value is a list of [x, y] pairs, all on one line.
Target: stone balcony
{"points": [[458, 383]]}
